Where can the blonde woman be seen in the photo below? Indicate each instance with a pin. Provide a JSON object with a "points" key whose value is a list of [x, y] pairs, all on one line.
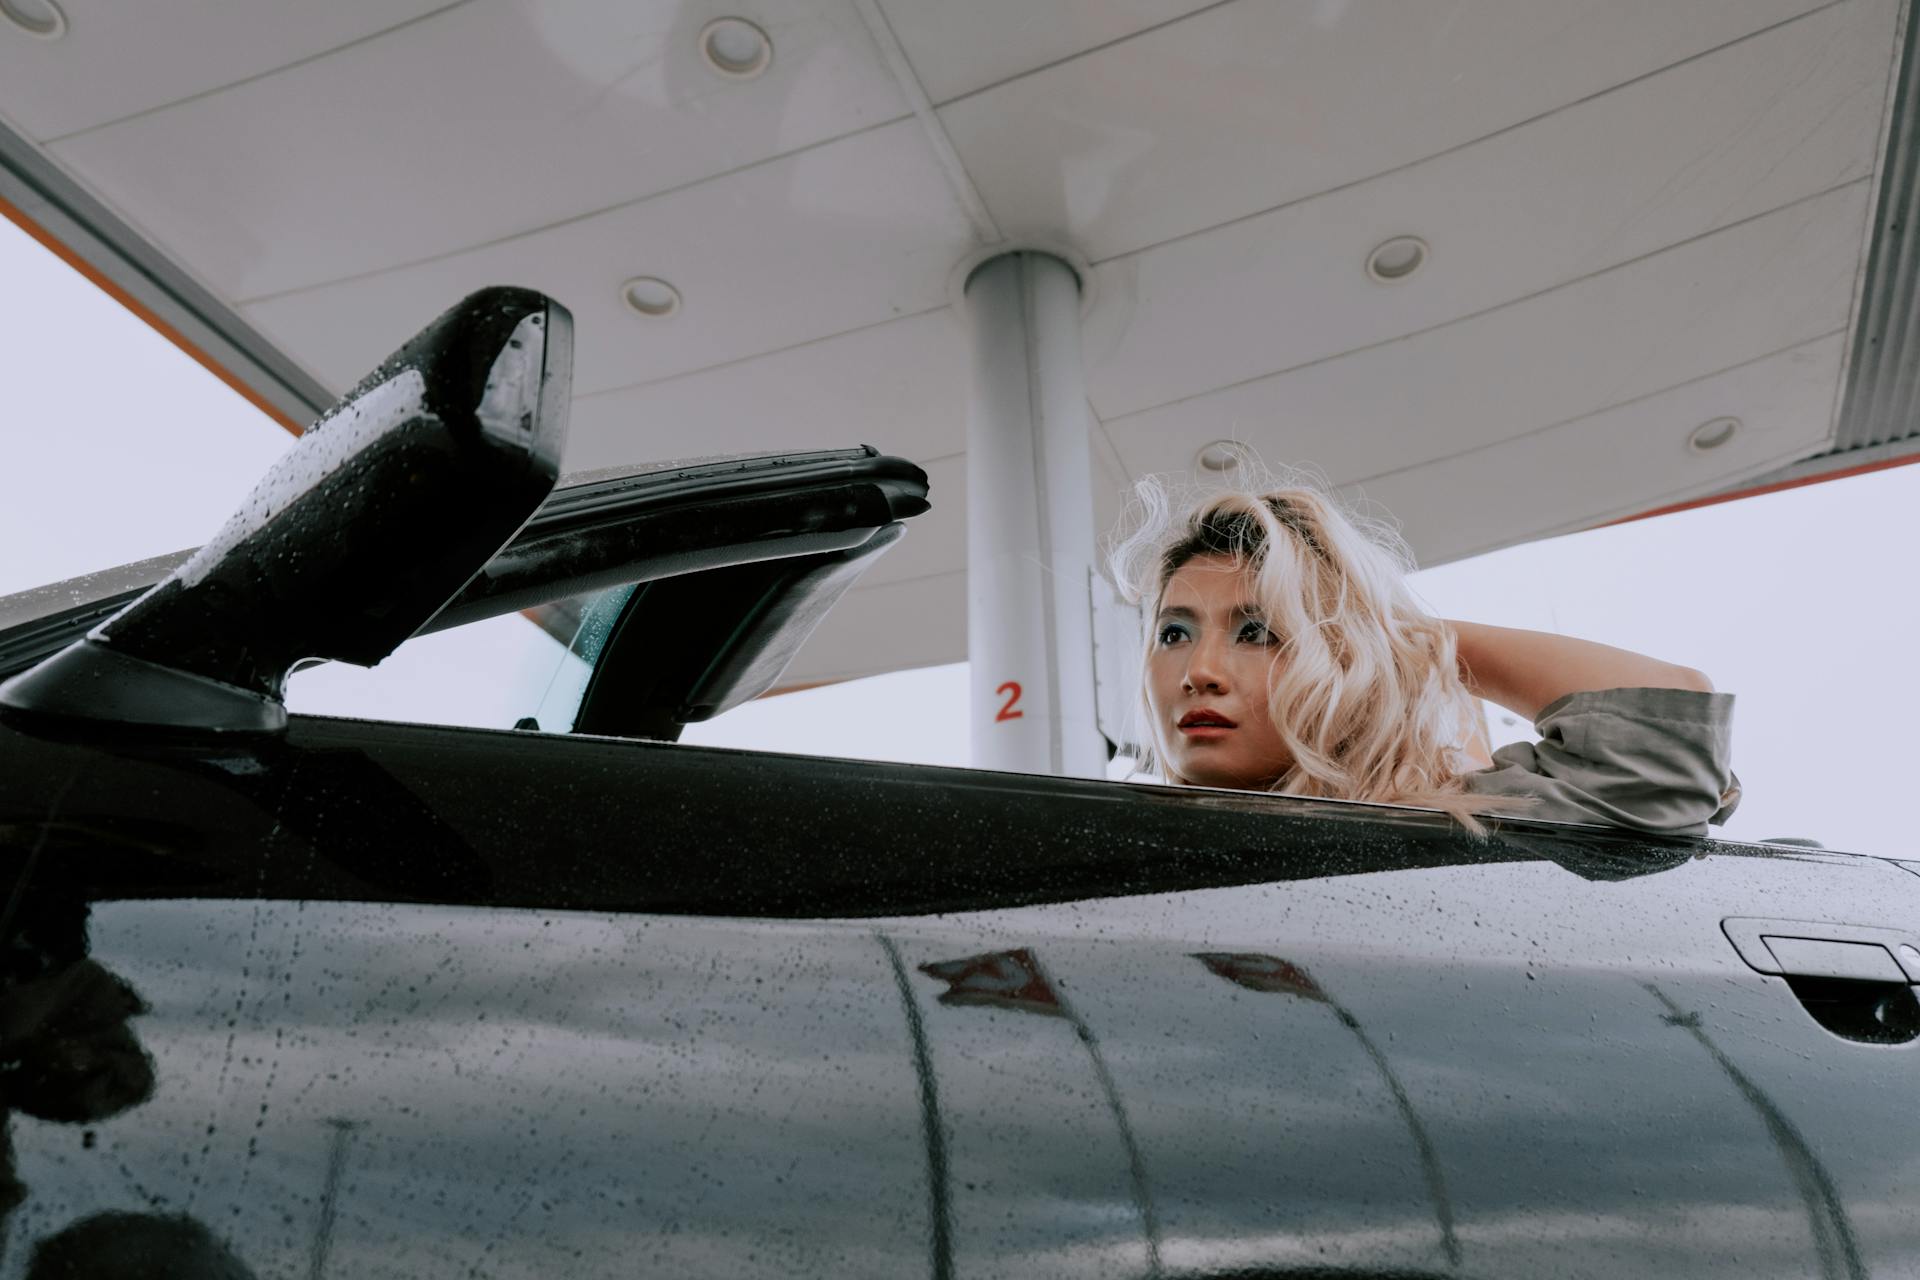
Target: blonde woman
{"points": [[1286, 653]]}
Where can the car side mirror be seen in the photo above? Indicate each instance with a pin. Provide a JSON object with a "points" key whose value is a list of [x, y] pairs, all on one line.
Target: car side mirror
{"points": [[354, 540]]}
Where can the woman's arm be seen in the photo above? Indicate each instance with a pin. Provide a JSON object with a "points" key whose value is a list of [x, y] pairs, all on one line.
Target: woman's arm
{"points": [[1524, 671]]}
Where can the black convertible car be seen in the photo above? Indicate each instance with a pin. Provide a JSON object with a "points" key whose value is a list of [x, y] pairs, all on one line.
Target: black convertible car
{"points": [[301, 996]]}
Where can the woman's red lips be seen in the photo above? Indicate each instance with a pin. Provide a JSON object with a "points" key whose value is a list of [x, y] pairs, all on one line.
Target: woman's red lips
{"points": [[1198, 719]]}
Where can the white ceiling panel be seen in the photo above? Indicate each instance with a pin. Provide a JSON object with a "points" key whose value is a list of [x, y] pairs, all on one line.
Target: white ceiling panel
{"points": [[1618, 462], [1641, 328], [958, 48], [1251, 105], [489, 120], [117, 59], [834, 238], [921, 622], [1585, 346], [1785, 115], [899, 386]]}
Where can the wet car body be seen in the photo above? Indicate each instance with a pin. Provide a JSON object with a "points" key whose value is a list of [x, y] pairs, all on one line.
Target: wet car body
{"points": [[382, 999]]}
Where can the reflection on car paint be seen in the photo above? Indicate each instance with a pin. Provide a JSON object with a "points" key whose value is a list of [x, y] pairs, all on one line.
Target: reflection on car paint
{"points": [[70, 1056], [939, 1180], [1015, 980], [341, 1138], [1275, 976], [1833, 1239]]}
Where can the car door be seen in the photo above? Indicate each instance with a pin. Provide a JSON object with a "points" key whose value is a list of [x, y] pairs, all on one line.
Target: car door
{"points": [[426, 1001]]}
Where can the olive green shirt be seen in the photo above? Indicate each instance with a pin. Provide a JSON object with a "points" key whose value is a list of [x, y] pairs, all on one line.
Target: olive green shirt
{"points": [[1650, 759]]}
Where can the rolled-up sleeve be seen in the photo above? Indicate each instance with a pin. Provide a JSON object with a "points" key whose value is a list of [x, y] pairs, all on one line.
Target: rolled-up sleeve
{"points": [[1650, 759]]}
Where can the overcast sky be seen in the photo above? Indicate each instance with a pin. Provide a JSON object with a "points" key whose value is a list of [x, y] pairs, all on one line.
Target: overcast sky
{"points": [[117, 447]]}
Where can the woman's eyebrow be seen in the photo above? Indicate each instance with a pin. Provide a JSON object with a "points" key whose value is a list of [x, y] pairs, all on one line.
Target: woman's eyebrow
{"points": [[1179, 612]]}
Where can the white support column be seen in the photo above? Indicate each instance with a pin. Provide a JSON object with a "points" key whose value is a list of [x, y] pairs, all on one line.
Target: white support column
{"points": [[1030, 537]]}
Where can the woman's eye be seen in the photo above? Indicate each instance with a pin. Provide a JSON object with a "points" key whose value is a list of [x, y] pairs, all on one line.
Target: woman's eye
{"points": [[1172, 633], [1256, 633]]}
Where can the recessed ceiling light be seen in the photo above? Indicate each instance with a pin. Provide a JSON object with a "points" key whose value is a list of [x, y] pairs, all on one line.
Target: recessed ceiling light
{"points": [[736, 48], [42, 18], [1397, 259], [650, 296], [1711, 435], [1223, 456]]}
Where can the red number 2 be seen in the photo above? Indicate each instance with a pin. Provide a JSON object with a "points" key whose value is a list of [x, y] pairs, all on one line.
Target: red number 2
{"points": [[1012, 689]]}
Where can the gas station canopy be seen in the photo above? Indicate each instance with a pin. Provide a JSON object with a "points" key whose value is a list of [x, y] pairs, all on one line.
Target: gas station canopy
{"points": [[1508, 267]]}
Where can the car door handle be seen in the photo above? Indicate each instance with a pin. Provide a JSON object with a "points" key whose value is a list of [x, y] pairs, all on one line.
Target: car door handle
{"points": [[1860, 982], [1811, 949]]}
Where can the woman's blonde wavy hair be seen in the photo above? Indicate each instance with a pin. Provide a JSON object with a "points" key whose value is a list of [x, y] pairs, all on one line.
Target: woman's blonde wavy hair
{"points": [[1366, 690]]}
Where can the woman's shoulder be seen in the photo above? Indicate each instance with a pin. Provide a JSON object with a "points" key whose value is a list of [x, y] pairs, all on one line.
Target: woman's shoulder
{"points": [[1647, 758]]}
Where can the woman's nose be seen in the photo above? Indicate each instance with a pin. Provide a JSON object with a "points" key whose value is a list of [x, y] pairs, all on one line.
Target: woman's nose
{"points": [[1205, 671]]}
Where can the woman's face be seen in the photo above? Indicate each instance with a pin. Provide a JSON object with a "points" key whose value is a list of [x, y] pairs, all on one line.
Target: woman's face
{"points": [[1208, 674]]}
